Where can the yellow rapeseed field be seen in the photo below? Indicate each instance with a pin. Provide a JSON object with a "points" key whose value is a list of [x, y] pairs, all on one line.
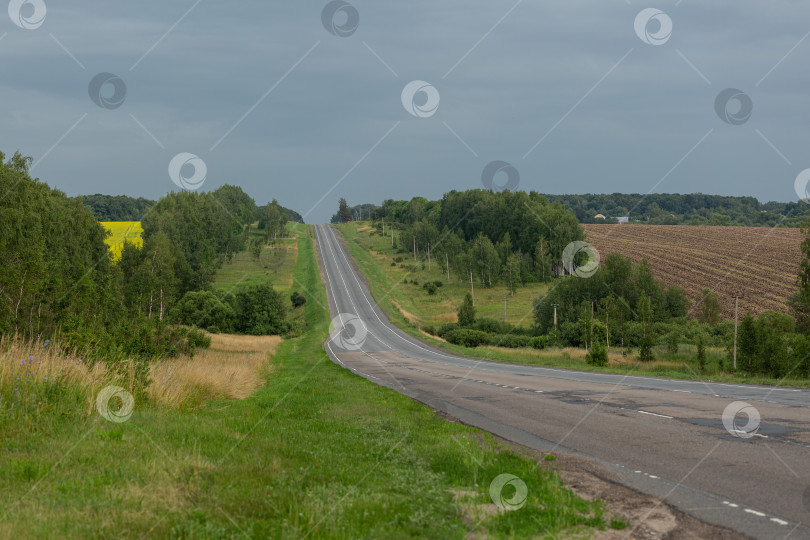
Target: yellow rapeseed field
{"points": [[121, 231]]}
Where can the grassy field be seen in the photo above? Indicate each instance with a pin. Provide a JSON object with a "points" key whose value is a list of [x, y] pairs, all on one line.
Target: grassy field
{"points": [[315, 451], [276, 264], [411, 308], [424, 309], [120, 232]]}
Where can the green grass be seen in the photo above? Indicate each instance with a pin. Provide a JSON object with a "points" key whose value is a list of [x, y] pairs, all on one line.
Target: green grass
{"points": [[276, 264], [442, 307], [374, 254], [317, 452]]}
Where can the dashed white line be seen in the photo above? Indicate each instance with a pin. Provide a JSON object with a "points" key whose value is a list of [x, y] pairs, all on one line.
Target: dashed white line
{"points": [[779, 521], [756, 513]]}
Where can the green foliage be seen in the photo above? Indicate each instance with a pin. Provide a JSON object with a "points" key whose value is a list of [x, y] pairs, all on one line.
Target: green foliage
{"points": [[117, 207], [467, 337], [204, 310], [701, 354], [645, 312], [466, 313], [297, 299], [686, 209], [711, 308], [344, 215], [260, 310], [672, 342], [597, 355]]}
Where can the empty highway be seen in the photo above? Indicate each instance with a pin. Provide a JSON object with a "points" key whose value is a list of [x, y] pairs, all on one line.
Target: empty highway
{"points": [[663, 437]]}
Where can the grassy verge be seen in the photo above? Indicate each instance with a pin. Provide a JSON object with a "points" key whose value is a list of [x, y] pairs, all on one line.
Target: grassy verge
{"points": [[411, 308], [315, 452]]}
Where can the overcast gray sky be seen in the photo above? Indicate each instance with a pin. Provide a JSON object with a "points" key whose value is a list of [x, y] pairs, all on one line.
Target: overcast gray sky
{"points": [[569, 93]]}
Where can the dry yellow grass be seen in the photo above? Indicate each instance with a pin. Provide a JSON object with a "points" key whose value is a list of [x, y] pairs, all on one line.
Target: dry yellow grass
{"points": [[234, 367]]}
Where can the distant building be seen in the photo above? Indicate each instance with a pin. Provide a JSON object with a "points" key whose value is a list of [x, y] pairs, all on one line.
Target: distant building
{"points": [[623, 219], [598, 216]]}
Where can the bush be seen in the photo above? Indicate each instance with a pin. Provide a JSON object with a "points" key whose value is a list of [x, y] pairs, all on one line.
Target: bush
{"points": [[198, 339], [597, 356], [539, 342], [429, 329], [467, 337], [259, 310], [445, 328], [570, 334], [493, 327], [438, 283], [466, 313], [510, 341], [298, 299], [393, 263], [431, 288], [397, 259], [204, 310]]}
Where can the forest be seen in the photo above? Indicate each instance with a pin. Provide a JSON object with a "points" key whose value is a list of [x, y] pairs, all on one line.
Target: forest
{"points": [[656, 209], [58, 280], [125, 208]]}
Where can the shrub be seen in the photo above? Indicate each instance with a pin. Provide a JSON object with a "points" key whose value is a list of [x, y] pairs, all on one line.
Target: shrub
{"points": [[438, 283], [429, 329], [203, 309], [672, 342], [597, 356], [493, 327], [393, 263], [397, 259], [298, 299], [467, 337], [510, 341], [259, 310], [445, 328], [539, 342], [431, 288]]}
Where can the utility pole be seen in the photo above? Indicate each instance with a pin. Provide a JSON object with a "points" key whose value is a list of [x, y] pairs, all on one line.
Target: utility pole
{"points": [[428, 252], [414, 247], [392, 235], [447, 263], [504, 307], [737, 295]]}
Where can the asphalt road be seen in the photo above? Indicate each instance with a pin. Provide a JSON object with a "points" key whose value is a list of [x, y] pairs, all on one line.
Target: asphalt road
{"points": [[663, 437]]}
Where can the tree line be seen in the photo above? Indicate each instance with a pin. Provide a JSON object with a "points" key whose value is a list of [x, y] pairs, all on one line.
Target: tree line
{"points": [[125, 208], [481, 236], [57, 277]]}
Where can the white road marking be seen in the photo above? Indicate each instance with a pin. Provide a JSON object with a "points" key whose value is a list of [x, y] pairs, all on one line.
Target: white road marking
{"points": [[758, 514], [779, 521], [654, 414]]}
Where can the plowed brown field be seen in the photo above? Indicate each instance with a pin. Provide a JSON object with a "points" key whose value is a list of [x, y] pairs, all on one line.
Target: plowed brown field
{"points": [[760, 262]]}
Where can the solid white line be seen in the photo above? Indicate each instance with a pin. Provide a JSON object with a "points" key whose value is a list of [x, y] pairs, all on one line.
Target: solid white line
{"points": [[654, 414]]}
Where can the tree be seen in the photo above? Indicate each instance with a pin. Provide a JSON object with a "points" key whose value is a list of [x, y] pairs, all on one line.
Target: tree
{"points": [[256, 247], [466, 313], [712, 307], [344, 213], [701, 354], [542, 260], [645, 312]]}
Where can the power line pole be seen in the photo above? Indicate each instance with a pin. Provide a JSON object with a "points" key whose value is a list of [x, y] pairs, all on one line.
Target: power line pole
{"points": [[504, 307], [555, 317], [736, 296]]}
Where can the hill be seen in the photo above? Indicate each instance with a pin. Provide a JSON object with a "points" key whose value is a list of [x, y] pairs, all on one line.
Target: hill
{"points": [[762, 263]]}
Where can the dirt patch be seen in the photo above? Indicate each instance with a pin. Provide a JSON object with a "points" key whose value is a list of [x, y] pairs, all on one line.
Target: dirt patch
{"points": [[413, 319]]}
